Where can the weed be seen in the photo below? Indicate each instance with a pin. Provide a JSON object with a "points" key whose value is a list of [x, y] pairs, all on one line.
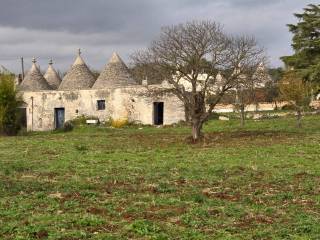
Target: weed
{"points": [[260, 182]]}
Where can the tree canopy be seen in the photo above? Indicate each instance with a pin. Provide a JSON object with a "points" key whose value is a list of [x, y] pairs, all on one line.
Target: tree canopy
{"points": [[201, 63], [9, 102], [306, 44], [295, 90]]}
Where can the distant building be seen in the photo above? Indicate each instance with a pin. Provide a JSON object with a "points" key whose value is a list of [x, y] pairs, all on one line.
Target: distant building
{"points": [[260, 78], [50, 101]]}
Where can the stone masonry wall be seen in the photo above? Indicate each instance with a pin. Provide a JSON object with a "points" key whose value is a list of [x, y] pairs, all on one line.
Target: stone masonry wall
{"points": [[121, 103]]}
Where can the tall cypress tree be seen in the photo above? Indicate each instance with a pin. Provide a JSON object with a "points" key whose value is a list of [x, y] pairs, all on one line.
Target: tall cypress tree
{"points": [[306, 44]]}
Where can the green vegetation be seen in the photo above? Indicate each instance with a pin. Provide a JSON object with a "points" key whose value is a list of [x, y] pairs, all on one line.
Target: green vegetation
{"points": [[294, 89], [306, 44], [260, 182], [9, 102], [81, 120]]}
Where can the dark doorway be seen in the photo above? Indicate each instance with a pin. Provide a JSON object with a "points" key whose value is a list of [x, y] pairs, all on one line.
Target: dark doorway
{"points": [[59, 117], [158, 113], [22, 117]]}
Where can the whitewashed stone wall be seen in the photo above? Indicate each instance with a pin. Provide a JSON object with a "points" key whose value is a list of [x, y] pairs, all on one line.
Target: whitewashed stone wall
{"points": [[262, 106], [121, 103]]}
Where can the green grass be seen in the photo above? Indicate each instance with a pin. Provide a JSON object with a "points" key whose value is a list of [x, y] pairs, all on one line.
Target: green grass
{"points": [[259, 182]]}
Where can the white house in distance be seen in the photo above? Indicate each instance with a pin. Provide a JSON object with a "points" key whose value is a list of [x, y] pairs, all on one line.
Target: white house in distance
{"points": [[50, 101]]}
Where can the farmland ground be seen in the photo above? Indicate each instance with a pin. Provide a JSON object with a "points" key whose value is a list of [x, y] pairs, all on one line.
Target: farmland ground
{"points": [[259, 182]]}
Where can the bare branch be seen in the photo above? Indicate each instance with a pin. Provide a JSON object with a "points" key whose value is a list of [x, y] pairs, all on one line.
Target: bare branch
{"points": [[201, 63]]}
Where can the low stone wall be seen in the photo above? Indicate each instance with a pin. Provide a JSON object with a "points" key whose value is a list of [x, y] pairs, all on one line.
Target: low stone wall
{"points": [[315, 104], [263, 106]]}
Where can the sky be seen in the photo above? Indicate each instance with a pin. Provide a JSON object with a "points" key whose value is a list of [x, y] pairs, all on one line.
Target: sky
{"points": [[56, 29]]}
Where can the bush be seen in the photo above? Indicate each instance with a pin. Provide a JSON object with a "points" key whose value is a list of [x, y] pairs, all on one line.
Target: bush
{"points": [[135, 124], [179, 124], [68, 126], [214, 116], [288, 107], [9, 103], [119, 123], [82, 120], [23, 132]]}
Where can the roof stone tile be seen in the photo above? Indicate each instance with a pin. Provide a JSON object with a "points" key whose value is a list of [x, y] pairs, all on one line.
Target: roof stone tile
{"points": [[52, 77], [78, 77], [115, 74], [34, 80]]}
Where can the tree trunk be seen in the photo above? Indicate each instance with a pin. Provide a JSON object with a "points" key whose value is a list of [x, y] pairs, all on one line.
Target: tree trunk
{"points": [[242, 116], [299, 118], [187, 114], [276, 105], [196, 130]]}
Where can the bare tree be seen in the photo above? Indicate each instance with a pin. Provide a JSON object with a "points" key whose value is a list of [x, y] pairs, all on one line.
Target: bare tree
{"points": [[244, 97], [247, 89], [197, 53]]}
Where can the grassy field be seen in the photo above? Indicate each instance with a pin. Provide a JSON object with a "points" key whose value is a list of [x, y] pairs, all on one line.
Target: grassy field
{"points": [[259, 182]]}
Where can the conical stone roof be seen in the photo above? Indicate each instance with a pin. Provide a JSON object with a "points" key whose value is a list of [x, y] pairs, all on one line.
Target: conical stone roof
{"points": [[52, 76], [34, 80], [78, 77], [115, 74]]}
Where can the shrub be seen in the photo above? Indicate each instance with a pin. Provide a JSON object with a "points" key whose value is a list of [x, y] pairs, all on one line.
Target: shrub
{"points": [[23, 132], [135, 124], [82, 120], [179, 124], [119, 123], [68, 126], [9, 103], [214, 116], [288, 107]]}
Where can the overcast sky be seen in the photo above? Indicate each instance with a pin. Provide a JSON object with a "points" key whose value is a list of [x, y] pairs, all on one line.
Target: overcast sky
{"points": [[56, 29]]}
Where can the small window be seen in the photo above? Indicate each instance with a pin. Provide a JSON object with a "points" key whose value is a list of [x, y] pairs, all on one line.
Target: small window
{"points": [[101, 104]]}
